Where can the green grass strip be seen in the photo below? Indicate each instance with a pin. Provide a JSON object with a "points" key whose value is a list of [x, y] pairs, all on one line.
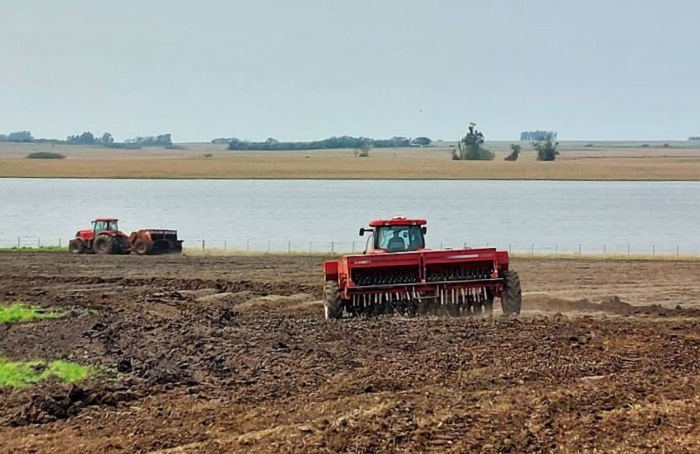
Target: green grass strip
{"points": [[19, 312], [34, 249], [24, 373]]}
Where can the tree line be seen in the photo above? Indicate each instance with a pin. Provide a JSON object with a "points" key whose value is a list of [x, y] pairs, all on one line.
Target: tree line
{"points": [[330, 143], [88, 138]]}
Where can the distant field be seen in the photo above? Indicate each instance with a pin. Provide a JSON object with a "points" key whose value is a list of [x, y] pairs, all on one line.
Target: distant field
{"points": [[602, 161]]}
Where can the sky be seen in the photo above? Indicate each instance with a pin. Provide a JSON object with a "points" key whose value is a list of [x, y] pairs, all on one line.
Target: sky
{"points": [[311, 69]]}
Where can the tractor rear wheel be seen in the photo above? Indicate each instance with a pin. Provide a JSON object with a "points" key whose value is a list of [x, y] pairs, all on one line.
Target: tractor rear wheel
{"points": [[141, 247], [120, 245], [332, 303], [512, 297], [76, 246], [103, 244]]}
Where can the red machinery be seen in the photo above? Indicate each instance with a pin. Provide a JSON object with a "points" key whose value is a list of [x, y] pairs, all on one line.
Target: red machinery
{"points": [[397, 274], [104, 238]]}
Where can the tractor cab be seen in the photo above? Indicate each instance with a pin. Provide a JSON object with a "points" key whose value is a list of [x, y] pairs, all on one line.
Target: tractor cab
{"points": [[397, 234], [105, 224]]}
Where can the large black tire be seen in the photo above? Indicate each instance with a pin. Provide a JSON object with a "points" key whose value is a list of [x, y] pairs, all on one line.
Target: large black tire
{"points": [[512, 297], [76, 246], [120, 245], [103, 244], [142, 247], [333, 305]]}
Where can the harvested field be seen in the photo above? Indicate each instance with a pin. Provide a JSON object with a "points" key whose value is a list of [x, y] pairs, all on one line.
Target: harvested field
{"points": [[607, 162], [230, 354]]}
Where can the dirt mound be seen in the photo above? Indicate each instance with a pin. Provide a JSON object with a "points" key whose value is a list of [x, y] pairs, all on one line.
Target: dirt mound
{"points": [[47, 408], [609, 305]]}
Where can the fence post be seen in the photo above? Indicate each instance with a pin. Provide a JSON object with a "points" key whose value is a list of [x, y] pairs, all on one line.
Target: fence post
{"points": [[353, 246], [309, 247], [289, 246], [268, 246], [247, 245], [678, 251], [532, 250], [605, 251], [38, 242], [510, 249], [332, 247], [628, 250], [556, 250], [579, 249], [59, 242], [203, 245], [224, 245], [653, 250], [18, 243]]}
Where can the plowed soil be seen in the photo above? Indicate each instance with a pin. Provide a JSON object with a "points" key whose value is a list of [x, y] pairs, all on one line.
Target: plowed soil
{"points": [[231, 354]]}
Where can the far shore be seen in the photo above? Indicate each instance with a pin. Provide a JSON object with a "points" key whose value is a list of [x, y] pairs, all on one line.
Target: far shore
{"points": [[608, 161]]}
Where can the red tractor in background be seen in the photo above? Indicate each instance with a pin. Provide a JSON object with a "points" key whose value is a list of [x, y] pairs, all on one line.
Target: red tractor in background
{"points": [[397, 274], [104, 238]]}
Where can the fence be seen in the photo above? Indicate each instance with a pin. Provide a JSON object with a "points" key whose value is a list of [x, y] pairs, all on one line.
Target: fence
{"points": [[291, 246]]}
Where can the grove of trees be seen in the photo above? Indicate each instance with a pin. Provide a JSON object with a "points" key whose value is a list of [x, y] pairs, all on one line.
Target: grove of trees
{"points": [[537, 135], [470, 147], [330, 143], [546, 148], [17, 136]]}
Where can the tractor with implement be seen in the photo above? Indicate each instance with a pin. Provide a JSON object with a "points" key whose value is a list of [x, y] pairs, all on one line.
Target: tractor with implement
{"points": [[396, 274], [155, 241], [103, 238]]}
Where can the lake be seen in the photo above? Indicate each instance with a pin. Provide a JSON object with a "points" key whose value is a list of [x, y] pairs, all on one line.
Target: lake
{"points": [[322, 214]]}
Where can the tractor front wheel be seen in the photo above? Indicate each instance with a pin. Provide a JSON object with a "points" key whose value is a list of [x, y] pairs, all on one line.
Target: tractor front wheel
{"points": [[332, 303], [76, 246], [103, 244], [512, 297]]}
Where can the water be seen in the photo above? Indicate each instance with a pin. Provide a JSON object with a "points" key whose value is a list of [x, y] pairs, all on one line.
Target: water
{"points": [[320, 214]]}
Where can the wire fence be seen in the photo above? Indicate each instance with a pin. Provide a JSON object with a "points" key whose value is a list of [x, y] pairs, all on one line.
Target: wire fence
{"points": [[336, 247]]}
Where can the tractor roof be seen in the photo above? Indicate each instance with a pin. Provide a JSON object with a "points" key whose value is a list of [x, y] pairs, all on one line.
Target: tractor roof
{"points": [[105, 220], [398, 220]]}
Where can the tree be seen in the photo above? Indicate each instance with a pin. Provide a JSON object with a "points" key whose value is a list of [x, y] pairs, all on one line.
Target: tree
{"points": [[20, 136], [547, 148], [106, 138], [421, 141], [513, 156], [470, 147], [86, 138]]}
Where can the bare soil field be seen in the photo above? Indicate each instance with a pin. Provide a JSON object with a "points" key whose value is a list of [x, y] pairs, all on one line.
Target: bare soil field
{"points": [[231, 354], [575, 163]]}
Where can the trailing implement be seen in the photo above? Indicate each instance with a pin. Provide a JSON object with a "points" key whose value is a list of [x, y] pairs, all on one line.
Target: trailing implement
{"points": [[155, 241], [397, 275]]}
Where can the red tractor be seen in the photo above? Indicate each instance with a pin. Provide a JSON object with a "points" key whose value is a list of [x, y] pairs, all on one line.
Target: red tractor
{"points": [[104, 238], [397, 274]]}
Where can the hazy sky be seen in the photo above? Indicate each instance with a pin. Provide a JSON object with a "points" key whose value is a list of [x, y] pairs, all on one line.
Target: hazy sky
{"points": [[309, 69]]}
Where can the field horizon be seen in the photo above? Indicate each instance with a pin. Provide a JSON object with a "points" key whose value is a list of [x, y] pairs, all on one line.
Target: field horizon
{"points": [[579, 160]]}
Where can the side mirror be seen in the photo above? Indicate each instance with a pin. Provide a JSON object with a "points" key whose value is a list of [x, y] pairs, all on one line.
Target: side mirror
{"points": [[424, 230], [362, 232]]}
